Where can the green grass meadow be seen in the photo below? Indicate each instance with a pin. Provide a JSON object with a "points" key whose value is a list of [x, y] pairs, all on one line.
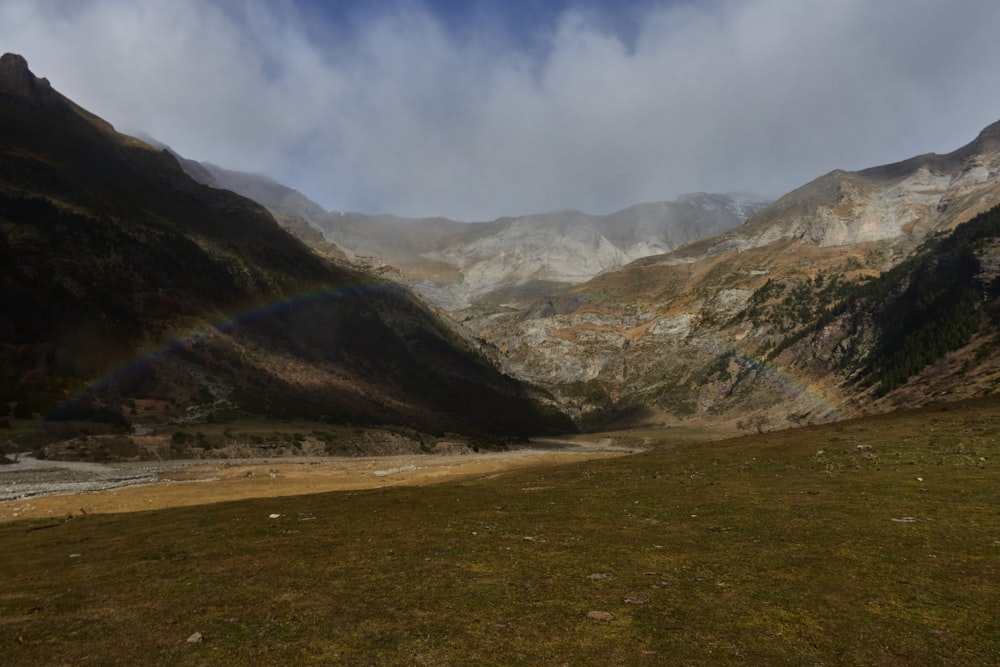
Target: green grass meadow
{"points": [[870, 542]]}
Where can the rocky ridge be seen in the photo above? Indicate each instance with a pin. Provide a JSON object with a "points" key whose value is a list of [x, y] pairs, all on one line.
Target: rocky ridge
{"points": [[709, 330], [569, 247], [456, 265], [900, 203]]}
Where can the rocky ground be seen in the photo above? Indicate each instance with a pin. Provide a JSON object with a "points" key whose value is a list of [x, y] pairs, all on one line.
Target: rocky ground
{"points": [[30, 477]]}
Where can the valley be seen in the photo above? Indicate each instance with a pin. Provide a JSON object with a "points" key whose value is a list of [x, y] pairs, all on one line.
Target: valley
{"points": [[716, 308], [236, 428], [742, 311]]}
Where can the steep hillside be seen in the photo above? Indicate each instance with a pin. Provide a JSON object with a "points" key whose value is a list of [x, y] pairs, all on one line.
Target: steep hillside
{"points": [[757, 325], [899, 204], [132, 293], [459, 264], [939, 308], [290, 208]]}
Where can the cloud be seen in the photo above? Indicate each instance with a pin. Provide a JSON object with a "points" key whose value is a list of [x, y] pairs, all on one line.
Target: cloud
{"points": [[397, 108]]}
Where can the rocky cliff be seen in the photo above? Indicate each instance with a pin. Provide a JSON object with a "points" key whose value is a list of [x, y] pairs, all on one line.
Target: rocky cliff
{"points": [[718, 329]]}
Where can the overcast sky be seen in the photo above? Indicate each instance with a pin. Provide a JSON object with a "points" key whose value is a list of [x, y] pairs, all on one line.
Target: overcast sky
{"points": [[478, 109]]}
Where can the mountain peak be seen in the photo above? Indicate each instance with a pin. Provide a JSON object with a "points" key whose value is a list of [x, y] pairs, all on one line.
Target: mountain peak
{"points": [[989, 137], [15, 77], [21, 89], [13, 62]]}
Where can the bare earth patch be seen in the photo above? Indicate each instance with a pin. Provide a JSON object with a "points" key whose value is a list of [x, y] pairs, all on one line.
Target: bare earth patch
{"points": [[95, 489]]}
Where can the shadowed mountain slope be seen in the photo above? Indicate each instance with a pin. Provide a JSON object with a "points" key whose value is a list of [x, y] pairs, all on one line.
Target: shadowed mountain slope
{"points": [[125, 283]]}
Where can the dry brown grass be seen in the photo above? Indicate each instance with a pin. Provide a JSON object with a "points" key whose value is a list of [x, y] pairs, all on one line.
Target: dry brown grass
{"points": [[222, 481]]}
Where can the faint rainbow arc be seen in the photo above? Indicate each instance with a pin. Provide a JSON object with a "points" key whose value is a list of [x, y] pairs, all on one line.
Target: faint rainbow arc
{"points": [[237, 317], [788, 381]]}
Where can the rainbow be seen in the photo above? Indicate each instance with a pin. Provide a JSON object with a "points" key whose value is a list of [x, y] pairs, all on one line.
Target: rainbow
{"points": [[224, 324], [821, 406]]}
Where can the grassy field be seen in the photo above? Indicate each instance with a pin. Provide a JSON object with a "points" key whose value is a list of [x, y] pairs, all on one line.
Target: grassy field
{"points": [[872, 542]]}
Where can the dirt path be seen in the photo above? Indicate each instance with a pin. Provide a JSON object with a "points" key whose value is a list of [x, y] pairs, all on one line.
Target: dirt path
{"points": [[50, 489]]}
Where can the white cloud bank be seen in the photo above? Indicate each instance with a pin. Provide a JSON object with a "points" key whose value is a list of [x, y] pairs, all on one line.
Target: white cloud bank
{"points": [[394, 110]]}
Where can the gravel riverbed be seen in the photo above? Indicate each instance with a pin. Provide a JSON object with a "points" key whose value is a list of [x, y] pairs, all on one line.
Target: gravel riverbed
{"points": [[31, 477]]}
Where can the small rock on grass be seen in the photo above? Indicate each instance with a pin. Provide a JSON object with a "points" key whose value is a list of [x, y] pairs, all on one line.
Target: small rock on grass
{"points": [[195, 638], [599, 615]]}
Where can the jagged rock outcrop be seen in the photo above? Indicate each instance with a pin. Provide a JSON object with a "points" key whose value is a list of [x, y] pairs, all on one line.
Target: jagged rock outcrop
{"points": [[17, 79]]}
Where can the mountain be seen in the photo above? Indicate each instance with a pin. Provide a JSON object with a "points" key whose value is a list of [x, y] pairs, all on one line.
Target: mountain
{"points": [[817, 308], [132, 293], [569, 247], [900, 203], [139, 287], [459, 264], [291, 205]]}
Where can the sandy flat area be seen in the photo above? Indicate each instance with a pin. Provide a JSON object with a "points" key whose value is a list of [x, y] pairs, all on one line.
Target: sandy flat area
{"points": [[52, 489]]}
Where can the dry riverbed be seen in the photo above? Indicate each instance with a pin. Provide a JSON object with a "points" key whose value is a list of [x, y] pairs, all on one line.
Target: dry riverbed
{"points": [[58, 489]]}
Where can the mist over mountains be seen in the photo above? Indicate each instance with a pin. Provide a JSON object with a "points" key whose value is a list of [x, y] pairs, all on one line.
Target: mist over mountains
{"points": [[713, 307], [427, 108], [708, 309], [455, 264]]}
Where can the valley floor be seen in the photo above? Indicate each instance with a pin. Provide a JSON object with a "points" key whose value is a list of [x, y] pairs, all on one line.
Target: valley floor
{"points": [[871, 541], [35, 488]]}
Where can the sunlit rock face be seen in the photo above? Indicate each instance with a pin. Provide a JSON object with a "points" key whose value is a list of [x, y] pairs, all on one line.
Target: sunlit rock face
{"points": [[568, 247], [902, 202], [456, 264], [678, 333]]}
